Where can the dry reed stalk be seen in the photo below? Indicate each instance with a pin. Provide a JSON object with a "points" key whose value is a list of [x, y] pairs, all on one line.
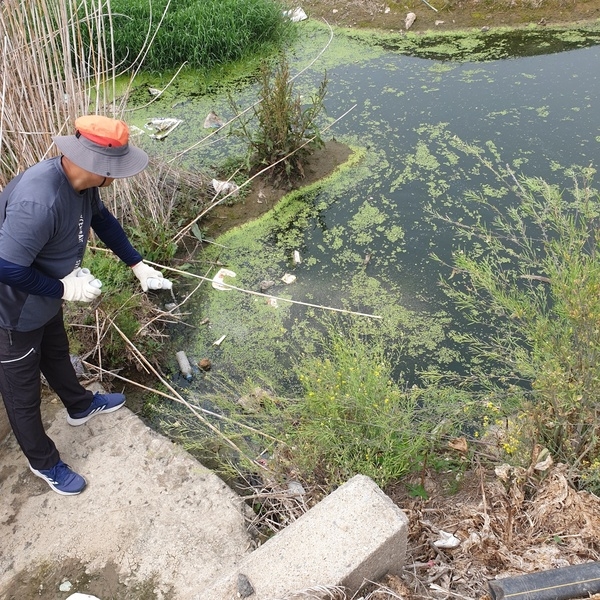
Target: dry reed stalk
{"points": [[51, 74]]}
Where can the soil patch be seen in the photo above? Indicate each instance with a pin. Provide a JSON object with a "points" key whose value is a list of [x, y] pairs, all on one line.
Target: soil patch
{"points": [[451, 14], [263, 196]]}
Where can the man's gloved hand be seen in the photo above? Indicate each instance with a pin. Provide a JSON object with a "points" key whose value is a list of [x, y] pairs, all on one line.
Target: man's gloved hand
{"points": [[150, 278], [77, 287]]}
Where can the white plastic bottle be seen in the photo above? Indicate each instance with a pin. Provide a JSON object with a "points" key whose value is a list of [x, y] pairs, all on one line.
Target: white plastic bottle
{"points": [[94, 282], [159, 283], [184, 365]]}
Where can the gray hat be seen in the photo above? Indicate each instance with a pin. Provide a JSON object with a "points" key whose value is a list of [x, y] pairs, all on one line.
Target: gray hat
{"points": [[101, 146]]}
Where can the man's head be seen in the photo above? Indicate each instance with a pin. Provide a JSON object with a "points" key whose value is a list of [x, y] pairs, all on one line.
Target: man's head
{"points": [[101, 146]]}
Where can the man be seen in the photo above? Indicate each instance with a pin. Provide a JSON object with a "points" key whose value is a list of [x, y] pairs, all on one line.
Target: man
{"points": [[45, 217]]}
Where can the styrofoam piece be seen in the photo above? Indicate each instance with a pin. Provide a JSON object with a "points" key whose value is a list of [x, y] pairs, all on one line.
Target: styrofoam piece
{"points": [[217, 280]]}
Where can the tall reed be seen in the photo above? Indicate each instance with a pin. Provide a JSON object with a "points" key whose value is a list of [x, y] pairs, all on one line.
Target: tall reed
{"points": [[50, 76]]}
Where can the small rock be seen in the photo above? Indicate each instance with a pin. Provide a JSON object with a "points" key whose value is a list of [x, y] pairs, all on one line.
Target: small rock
{"points": [[439, 23], [409, 20], [485, 28], [334, 11], [244, 586], [266, 284], [204, 364]]}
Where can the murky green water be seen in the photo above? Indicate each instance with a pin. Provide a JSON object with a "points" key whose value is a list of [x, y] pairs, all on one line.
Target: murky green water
{"points": [[365, 235]]}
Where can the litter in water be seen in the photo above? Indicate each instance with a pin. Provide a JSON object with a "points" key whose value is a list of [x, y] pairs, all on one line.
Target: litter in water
{"points": [[217, 280], [219, 341], [213, 121], [297, 257], [288, 278], [295, 15], [162, 126], [225, 187], [184, 365]]}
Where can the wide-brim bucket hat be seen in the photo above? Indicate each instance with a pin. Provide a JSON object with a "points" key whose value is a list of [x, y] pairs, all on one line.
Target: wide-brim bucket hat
{"points": [[101, 146]]}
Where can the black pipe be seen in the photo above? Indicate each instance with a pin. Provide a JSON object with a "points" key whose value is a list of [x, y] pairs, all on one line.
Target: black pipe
{"points": [[578, 581]]}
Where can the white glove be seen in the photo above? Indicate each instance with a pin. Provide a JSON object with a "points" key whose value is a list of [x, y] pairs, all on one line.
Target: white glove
{"points": [[150, 278], [78, 287]]}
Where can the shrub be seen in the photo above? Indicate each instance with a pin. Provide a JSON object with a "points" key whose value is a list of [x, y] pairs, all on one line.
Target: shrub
{"points": [[286, 131], [531, 282]]}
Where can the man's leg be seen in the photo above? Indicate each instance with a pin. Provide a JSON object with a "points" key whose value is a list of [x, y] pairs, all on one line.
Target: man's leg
{"points": [[20, 388], [55, 364]]}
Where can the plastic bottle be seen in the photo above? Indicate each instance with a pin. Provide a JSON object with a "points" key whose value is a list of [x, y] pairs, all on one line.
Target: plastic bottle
{"points": [[184, 365], [94, 283], [159, 283]]}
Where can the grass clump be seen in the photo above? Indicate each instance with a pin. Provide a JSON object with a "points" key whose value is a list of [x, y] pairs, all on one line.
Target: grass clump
{"points": [[201, 33], [352, 417]]}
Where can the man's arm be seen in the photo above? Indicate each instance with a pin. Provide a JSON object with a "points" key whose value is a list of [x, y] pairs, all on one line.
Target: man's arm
{"points": [[29, 280], [109, 230]]}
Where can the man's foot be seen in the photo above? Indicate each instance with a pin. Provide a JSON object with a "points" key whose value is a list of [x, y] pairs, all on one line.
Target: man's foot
{"points": [[62, 479], [101, 403]]}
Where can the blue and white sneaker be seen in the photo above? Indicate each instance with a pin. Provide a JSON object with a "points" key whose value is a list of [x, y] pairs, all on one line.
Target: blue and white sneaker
{"points": [[62, 479], [101, 403]]}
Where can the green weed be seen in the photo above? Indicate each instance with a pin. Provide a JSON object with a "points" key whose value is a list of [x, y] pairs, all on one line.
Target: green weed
{"points": [[286, 130], [199, 33], [528, 278]]}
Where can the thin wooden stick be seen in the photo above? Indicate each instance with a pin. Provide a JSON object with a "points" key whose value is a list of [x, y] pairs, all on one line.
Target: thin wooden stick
{"points": [[177, 399], [180, 398], [269, 296]]}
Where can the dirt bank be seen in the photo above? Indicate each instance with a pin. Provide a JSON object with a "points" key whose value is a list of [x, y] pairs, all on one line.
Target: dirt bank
{"points": [[445, 15]]}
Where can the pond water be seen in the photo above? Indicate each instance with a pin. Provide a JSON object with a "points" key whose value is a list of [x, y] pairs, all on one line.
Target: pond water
{"points": [[365, 235]]}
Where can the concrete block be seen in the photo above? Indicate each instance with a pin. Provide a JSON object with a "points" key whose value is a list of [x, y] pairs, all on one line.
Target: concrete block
{"points": [[355, 533]]}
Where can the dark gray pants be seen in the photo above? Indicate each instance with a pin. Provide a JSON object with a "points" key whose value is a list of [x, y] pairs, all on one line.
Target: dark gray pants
{"points": [[23, 354]]}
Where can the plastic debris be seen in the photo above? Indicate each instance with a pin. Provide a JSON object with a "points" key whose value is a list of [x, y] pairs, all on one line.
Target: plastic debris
{"points": [[225, 187], [447, 540], [163, 127], [439, 23], [80, 596], [219, 341], [295, 14], [65, 586], [217, 280], [273, 302], [94, 283], [296, 488], [154, 91], [159, 283], [213, 121], [409, 20], [297, 257], [288, 278], [184, 365]]}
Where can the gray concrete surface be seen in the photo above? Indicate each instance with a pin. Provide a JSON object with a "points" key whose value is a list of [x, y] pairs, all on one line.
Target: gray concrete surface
{"points": [[355, 533], [149, 510]]}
